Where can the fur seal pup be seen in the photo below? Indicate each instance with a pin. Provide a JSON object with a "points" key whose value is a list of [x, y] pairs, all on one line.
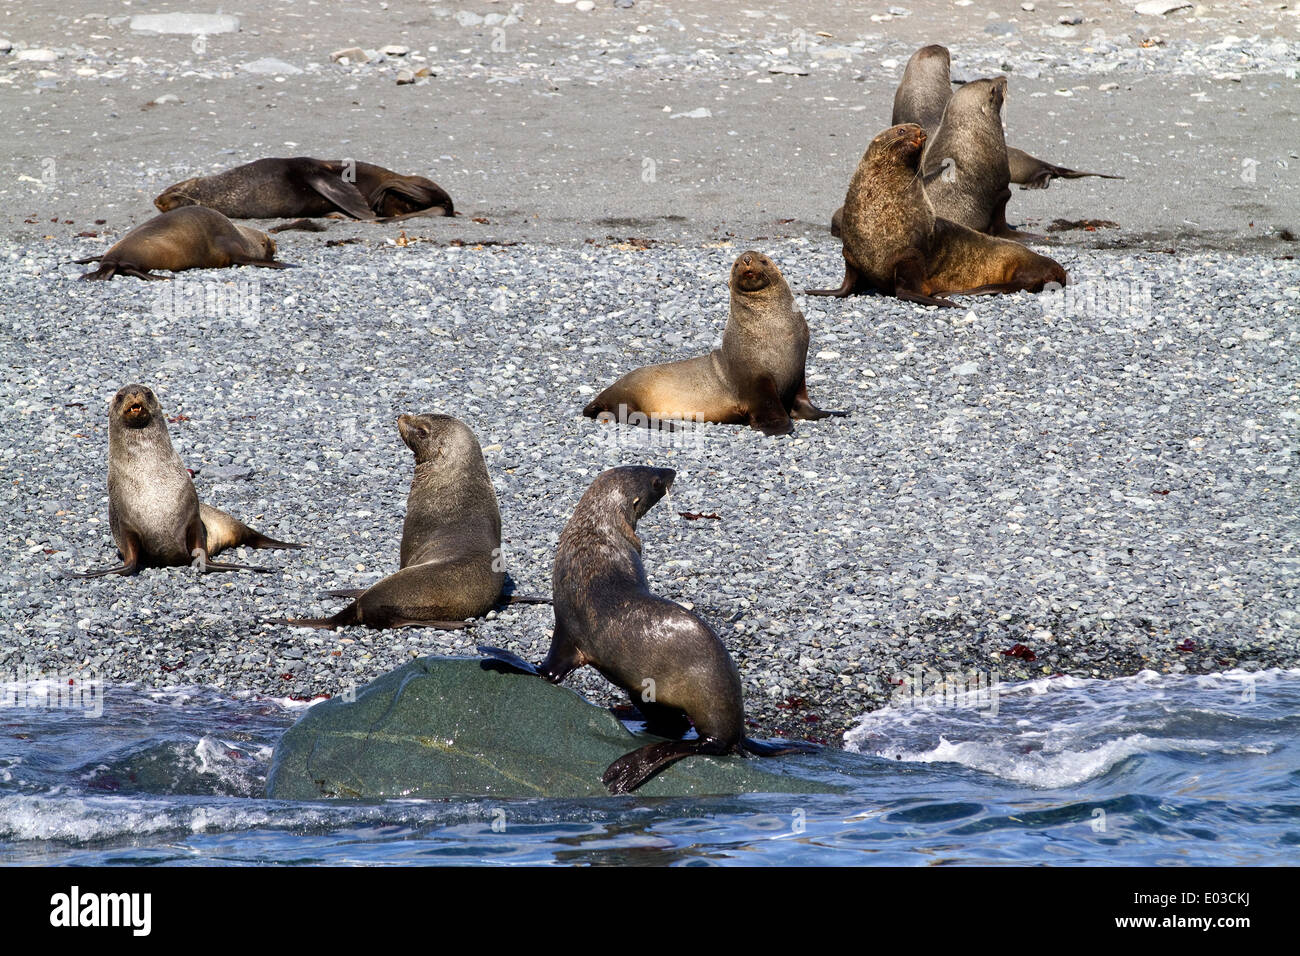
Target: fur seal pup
{"points": [[755, 378], [894, 244], [925, 90], [451, 566], [153, 509], [671, 663], [302, 186], [188, 238]]}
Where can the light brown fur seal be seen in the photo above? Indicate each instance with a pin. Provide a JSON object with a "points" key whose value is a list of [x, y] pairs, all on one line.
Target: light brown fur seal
{"points": [[451, 562], [302, 186], [675, 669], [188, 238], [153, 509], [756, 378], [894, 244], [925, 90]]}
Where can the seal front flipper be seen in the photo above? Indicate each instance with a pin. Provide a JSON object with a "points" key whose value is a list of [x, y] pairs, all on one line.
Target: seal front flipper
{"points": [[766, 412], [499, 659], [632, 770], [344, 195], [803, 409], [846, 287]]}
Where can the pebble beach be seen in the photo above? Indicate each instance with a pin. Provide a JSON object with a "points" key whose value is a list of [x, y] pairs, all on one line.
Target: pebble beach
{"points": [[1093, 482]]}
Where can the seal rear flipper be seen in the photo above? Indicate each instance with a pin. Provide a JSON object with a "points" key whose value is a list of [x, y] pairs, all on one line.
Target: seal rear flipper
{"points": [[82, 262], [632, 770], [346, 196], [499, 659], [526, 599], [760, 748], [416, 622], [223, 566], [261, 263], [344, 593]]}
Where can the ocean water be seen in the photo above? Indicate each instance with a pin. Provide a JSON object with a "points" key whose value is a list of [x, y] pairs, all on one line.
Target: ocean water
{"points": [[1152, 770]]}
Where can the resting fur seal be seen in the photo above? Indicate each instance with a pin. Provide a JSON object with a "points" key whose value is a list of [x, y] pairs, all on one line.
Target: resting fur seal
{"points": [[755, 378], [894, 243], [671, 663], [153, 509], [188, 238], [302, 186], [922, 95], [451, 565]]}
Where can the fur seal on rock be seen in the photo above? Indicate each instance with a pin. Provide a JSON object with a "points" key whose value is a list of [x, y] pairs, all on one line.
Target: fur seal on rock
{"points": [[451, 564], [755, 378], [894, 243], [673, 666], [302, 186], [189, 238], [925, 90], [153, 509]]}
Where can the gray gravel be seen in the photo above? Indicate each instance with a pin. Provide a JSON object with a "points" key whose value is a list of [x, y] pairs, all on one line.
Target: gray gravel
{"points": [[1098, 486]]}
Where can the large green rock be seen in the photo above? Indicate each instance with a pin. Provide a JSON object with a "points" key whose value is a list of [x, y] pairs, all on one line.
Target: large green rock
{"points": [[443, 727]]}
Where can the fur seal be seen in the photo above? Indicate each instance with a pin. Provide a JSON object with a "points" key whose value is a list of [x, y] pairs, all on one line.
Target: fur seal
{"points": [[302, 186], [189, 238], [673, 666], [755, 378], [153, 509], [451, 565], [965, 162], [925, 90], [894, 243]]}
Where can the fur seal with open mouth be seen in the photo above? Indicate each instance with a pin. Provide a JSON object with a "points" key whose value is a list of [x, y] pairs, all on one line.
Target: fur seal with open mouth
{"points": [[756, 378], [153, 509], [673, 666]]}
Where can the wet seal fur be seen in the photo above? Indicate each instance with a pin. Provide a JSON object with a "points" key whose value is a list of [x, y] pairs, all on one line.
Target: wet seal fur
{"points": [[925, 90], [153, 508], [756, 378], [303, 186], [675, 669], [192, 237], [451, 561], [894, 244]]}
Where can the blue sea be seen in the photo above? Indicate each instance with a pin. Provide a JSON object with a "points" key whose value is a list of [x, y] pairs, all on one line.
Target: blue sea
{"points": [[1146, 770]]}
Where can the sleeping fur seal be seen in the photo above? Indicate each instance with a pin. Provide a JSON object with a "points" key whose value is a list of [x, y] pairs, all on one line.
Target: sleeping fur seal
{"points": [[189, 238], [894, 244], [755, 378], [451, 564], [922, 95], [302, 186], [153, 509], [673, 666]]}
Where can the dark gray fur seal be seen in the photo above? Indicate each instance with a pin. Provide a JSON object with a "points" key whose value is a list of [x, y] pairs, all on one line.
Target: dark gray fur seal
{"points": [[673, 666], [922, 95], [965, 161], [302, 186], [451, 561], [153, 509], [189, 238], [755, 378]]}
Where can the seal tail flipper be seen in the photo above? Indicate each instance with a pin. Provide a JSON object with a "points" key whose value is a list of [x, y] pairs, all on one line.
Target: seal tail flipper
{"points": [[633, 769], [342, 619], [499, 659], [1046, 172], [526, 599], [104, 272], [262, 263], [761, 748], [224, 531], [122, 569], [344, 195], [256, 539]]}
